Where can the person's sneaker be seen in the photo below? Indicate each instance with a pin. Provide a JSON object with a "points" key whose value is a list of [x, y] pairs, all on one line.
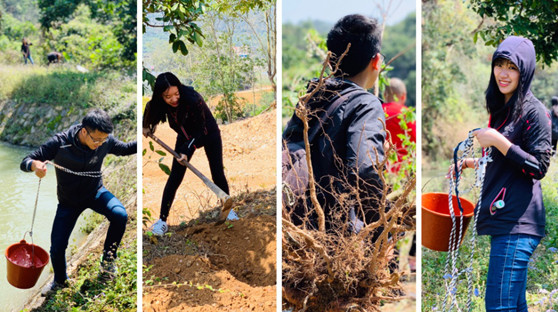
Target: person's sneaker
{"points": [[108, 267], [159, 228], [232, 216], [53, 287]]}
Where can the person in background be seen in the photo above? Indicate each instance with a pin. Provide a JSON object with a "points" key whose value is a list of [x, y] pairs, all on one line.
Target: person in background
{"points": [[54, 57], [395, 96], [554, 114], [26, 51]]}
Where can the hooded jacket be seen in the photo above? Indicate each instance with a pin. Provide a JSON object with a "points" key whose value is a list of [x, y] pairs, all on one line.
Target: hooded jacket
{"points": [[183, 119], [554, 114], [514, 178], [345, 147], [67, 151]]}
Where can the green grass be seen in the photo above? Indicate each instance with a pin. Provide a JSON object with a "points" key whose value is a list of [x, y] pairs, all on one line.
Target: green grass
{"points": [[65, 86], [91, 291], [542, 283]]}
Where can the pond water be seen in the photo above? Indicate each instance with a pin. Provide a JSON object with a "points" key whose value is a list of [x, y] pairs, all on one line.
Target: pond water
{"points": [[18, 191]]}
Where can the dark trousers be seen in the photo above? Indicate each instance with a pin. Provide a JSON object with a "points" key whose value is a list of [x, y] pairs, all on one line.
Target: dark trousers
{"points": [[214, 151], [554, 141], [66, 217]]}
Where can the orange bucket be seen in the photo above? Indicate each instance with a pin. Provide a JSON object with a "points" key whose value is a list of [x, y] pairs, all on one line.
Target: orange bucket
{"points": [[25, 264], [436, 219]]}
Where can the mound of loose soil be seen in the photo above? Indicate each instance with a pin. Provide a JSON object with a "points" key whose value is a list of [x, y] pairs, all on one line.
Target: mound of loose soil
{"points": [[229, 267]]}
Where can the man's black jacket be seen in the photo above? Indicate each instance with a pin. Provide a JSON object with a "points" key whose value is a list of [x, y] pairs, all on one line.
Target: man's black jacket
{"points": [[65, 150], [348, 146]]}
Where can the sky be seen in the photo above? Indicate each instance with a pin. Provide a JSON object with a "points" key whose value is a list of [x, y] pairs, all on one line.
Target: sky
{"points": [[295, 11]]}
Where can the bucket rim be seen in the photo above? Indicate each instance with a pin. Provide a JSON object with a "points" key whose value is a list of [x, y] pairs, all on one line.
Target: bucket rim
{"points": [[25, 243], [467, 215]]}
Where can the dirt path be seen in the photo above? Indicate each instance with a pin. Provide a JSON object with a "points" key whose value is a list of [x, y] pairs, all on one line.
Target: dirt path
{"points": [[203, 267]]}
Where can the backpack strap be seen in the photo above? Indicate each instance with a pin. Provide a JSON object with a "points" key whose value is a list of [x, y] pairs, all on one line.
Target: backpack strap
{"points": [[341, 99]]}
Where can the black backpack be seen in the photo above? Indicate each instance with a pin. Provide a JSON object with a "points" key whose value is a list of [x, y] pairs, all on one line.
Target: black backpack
{"points": [[294, 167]]}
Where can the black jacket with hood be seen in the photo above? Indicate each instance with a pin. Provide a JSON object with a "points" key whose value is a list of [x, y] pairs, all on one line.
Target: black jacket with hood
{"points": [[554, 114], [345, 147], [514, 178], [66, 150], [195, 119]]}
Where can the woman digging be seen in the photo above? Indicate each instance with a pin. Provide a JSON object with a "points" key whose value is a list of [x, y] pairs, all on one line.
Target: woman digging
{"points": [[188, 115]]}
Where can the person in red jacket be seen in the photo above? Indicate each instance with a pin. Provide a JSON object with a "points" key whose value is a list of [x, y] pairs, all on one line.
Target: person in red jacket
{"points": [[395, 96]]}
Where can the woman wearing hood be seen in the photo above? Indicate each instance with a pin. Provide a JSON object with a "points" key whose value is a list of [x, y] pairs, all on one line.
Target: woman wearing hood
{"points": [[554, 113], [512, 210]]}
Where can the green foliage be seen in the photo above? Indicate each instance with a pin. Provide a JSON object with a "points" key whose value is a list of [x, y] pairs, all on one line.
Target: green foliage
{"points": [[178, 20], [408, 162], [146, 216], [240, 7], [85, 43], [535, 20], [224, 66], [116, 17], [92, 291], [164, 167], [21, 10], [229, 107], [159, 162], [396, 39], [15, 29], [67, 88], [452, 65]]}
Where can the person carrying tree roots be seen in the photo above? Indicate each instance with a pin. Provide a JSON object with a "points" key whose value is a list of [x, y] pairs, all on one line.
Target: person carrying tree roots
{"points": [[512, 210], [78, 155], [188, 115]]}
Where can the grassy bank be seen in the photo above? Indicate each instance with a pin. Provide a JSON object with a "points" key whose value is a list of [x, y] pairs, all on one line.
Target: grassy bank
{"points": [[37, 102], [64, 85], [542, 283]]}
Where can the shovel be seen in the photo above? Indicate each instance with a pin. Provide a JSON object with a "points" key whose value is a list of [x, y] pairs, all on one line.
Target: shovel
{"points": [[226, 200]]}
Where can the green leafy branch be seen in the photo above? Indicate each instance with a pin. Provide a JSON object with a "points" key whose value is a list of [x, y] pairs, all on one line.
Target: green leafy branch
{"points": [[162, 166]]}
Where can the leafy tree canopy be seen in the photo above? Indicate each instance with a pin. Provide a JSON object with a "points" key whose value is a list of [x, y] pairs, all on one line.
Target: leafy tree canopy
{"points": [[120, 14], [532, 19]]}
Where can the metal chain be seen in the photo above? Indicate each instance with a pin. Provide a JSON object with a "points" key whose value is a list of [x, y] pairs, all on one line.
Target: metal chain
{"points": [[451, 276], [32, 224], [90, 174], [34, 213]]}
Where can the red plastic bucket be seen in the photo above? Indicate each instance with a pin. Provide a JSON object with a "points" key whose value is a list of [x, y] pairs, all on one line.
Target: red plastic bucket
{"points": [[436, 219], [25, 264]]}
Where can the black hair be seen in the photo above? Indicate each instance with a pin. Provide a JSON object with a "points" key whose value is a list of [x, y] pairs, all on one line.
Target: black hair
{"points": [[554, 100], [363, 34], [496, 101], [156, 109], [97, 119]]}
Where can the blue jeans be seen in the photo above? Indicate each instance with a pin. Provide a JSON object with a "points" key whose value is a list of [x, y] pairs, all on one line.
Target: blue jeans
{"points": [[66, 217], [507, 272], [30, 59]]}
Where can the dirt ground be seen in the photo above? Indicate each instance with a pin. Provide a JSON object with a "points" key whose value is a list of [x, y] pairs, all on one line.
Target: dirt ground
{"points": [[199, 266]]}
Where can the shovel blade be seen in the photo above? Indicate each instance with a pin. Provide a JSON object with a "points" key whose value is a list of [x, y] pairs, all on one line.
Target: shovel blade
{"points": [[227, 206]]}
